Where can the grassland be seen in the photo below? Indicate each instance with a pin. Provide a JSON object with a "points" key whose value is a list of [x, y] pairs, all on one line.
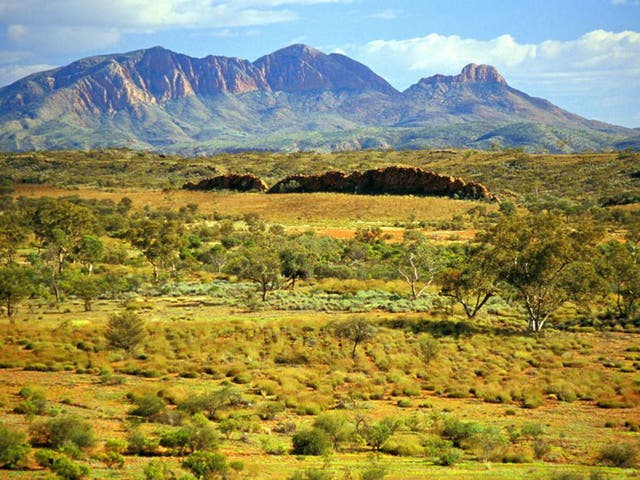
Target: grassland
{"points": [[574, 390]]}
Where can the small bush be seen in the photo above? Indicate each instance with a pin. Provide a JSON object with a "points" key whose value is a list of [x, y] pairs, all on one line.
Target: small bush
{"points": [[63, 431], [139, 444], [532, 400], [61, 465], [311, 442], [206, 464], [148, 406], [125, 330], [623, 455], [311, 474], [373, 472], [13, 448], [272, 446], [34, 402]]}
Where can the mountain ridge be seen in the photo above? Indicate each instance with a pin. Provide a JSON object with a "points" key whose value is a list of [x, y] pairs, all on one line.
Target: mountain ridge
{"points": [[159, 99]]}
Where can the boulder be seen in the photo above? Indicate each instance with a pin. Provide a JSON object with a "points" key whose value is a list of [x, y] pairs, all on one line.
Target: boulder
{"points": [[395, 180], [231, 181]]}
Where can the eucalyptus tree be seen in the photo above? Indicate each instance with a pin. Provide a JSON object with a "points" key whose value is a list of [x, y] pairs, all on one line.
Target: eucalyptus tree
{"points": [[546, 260]]}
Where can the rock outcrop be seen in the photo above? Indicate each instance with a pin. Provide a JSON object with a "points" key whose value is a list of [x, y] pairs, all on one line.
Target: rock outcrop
{"points": [[396, 180], [231, 181]]}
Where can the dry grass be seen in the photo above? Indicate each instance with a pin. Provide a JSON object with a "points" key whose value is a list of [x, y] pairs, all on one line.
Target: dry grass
{"points": [[314, 209]]}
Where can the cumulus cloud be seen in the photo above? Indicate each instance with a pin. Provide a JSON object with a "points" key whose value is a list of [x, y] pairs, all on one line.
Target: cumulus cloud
{"points": [[595, 54]]}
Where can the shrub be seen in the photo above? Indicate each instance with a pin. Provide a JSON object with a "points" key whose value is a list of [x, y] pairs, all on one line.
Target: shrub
{"points": [[61, 465], [442, 452], [139, 444], [336, 426], [156, 470], [148, 406], [532, 400], [63, 431], [13, 448], [269, 410], [623, 455], [272, 446], [197, 435], [311, 474], [373, 472], [311, 442], [34, 402], [125, 330], [206, 465], [458, 431], [211, 402]]}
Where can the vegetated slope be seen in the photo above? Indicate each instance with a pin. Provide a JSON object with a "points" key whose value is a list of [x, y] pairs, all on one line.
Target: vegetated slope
{"points": [[297, 98], [510, 173]]}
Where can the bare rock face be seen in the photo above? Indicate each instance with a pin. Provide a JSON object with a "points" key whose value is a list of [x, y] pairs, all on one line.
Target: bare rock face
{"points": [[396, 180], [231, 181]]}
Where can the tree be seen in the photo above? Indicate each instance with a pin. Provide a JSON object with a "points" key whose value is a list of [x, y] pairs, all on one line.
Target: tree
{"points": [[87, 288], [419, 264], [16, 283], [472, 281], [336, 426], [427, 349], [160, 241], [621, 269], [125, 330], [545, 260], [258, 262], [60, 225], [295, 264], [357, 330], [376, 434], [13, 233], [89, 251]]}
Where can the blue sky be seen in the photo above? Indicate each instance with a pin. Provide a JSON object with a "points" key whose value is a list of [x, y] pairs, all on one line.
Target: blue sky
{"points": [[583, 55]]}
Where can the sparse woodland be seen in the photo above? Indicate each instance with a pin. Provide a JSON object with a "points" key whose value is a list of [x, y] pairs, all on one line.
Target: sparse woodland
{"points": [[155, 333]]}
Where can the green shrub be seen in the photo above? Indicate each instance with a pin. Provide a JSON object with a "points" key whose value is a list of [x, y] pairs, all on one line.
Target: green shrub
{"points": [[273, 446], [197, 435], [148, 406], [311, 474], [34, 402], [156, 470], [13, 448], [139, 444], [532, 399], [269, 410], [373, 472], [311, 442], [458, 431], [336, 426], [125, 330], [61, 465], [206, 465], [623, 455], [442, 452], [63, 431]]}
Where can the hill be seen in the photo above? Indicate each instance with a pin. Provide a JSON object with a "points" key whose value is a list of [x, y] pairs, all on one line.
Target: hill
{"points": [[296, 98]]}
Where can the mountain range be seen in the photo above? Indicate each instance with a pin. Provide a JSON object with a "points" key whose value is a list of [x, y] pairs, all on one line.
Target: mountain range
{"points": [[296, 98]]}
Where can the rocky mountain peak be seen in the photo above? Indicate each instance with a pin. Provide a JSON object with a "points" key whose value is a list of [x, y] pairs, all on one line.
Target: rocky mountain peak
{"points": [[473, 73], [300, 68]]}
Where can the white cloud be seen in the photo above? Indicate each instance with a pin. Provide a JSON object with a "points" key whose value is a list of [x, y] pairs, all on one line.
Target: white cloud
{"points": [[597, 53], [11, 73], [388, 14], [573, 74]]}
